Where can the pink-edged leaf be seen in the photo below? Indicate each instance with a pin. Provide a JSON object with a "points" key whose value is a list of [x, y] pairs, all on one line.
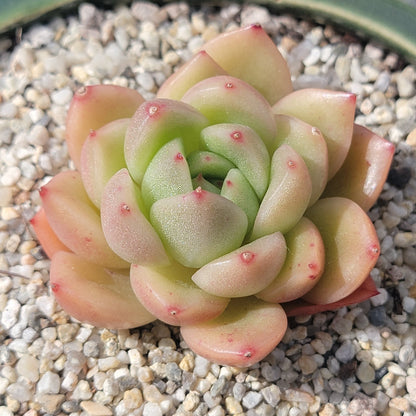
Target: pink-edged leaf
{"points": [[249, 54], [49, 241], [94, 106], [93, 294], [102, 156], [76, 221], [332, 112], [301, 307], [351, 248], [200, 67], [247, 331], [170, 294], [362, 176]]}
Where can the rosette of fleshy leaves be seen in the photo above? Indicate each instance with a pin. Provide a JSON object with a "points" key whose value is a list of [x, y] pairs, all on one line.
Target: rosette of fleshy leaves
{"points": [[224, 205]]}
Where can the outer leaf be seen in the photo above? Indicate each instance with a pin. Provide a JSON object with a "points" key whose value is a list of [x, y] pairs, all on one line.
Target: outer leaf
{"points": [[309, 143], [246, 332], [125, 227], [94, 106], [351, 248], [199, 226], [93, 294], [250, 54], [225, 99], [303, 267], [102, 156], [170, 294], [332, 112], [244, 271], [301, 307], [200, 67], [50, 243], [288, 195], [156, 123], [76, 221], [362, 176]]}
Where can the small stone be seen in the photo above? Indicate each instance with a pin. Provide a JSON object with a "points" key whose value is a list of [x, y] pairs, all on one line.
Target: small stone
{"points": [[133, 398], [365, 372], [10, 176], [233, 406], [152, 409], [28, 367], [251, 399], [95, 409], [50, 403]]}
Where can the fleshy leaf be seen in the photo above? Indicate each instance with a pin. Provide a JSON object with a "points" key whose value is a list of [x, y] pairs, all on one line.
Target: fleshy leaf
{"points": [[167, 174], [237, 189], [93, 294], [170, 294], [200, 182], [199, 226], [309, 143], [76, 220], [249, 53], [209, 164], [224, 99], [332, 112], [94, 106], [247, 331], [300, 307], [125, 227], [156, 123], [303, 267], [49, 241], [102, 156], [244, 148], [365, 169], [244, 271], [287, 196], [200, 67], [351, 248]]}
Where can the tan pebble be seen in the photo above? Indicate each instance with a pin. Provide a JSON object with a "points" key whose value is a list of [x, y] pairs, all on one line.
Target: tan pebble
{"points": [[9, 213], [27, 246], [233, 406], [133, 398], [411, 138], [95, 409], [400, 403], [187, 363], [27, 260]]}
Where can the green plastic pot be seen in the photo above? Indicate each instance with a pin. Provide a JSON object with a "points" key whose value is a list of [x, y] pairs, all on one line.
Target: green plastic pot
{"points": [[391, 22]]}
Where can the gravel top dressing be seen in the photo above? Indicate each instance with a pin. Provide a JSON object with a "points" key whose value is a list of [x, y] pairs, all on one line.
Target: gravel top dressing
{"points": [[357, 360]]}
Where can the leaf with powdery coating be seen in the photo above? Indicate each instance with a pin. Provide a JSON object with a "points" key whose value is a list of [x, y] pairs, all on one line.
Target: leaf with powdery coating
{"points": [[303, 267], [76, 220], [362, 176], [102, 156], [94, 106], [49, 241], [300, 307], [351, 248], [244, 148], [209, 164], [247, 331], [199, 226], [225, 99], [170, 294], [127, 230], [237, 189], [332, 112], [93, 294], [249, 53], [200, 67], [288, 194], [167, 174], [244, 271], [156, 123], [310, 144]]}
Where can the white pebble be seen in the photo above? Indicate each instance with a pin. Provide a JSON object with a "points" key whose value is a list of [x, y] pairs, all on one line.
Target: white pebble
{"points": [[49, 383], [10, 314], [10, 176]]}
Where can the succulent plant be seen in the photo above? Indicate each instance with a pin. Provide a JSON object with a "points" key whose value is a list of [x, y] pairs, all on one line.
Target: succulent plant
{"points": [[223, 205]]}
